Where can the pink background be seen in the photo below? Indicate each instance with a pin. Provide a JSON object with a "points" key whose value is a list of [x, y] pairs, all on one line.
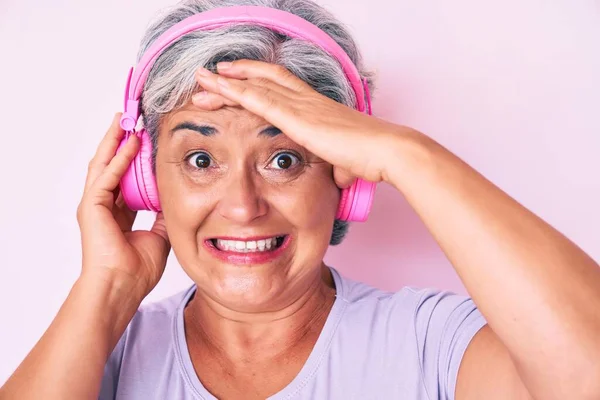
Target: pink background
{"points": [[512, 87]]}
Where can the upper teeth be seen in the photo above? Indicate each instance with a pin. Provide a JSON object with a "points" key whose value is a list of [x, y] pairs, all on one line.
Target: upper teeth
{"points": [[245, 247]]}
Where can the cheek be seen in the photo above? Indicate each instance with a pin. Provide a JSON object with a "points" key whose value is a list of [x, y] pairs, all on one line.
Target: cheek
{"points": [[311, 205], [311, 212], [184, 205]]}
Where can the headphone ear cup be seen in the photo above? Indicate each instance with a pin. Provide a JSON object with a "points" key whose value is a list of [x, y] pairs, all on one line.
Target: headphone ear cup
{"points": [[148, 186], [356, 201], [138, 184], [342, 212]]}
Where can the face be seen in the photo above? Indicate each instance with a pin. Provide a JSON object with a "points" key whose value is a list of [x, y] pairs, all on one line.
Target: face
{"points": [[249, 212]]}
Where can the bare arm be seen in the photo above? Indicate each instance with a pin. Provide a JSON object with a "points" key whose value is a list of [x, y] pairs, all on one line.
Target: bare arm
{"points": [[539, 292], [120, 267], [68, 361]]}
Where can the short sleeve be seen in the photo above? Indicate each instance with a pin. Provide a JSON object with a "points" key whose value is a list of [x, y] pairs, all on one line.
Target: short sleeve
{"points": [[112, 370], [445, 323]]}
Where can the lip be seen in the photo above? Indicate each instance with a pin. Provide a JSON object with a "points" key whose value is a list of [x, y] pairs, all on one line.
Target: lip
{"points": [[231, 257]]}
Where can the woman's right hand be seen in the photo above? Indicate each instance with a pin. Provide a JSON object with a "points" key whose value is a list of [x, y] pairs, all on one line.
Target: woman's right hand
{"points": [[110, 249], [120, 267]]}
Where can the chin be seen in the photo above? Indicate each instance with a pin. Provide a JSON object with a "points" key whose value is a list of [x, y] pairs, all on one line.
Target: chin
{"points": [[253, 289], [258, 273]]}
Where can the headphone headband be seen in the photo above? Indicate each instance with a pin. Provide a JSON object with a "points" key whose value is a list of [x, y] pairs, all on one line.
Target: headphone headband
{"points": [[280, 21]]}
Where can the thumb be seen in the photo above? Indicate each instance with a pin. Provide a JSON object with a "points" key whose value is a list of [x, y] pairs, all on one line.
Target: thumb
{"points": [[159, 227], [343, 179]]}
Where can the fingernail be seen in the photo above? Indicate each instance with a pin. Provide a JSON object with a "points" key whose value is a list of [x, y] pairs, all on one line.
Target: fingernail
{"points": [[223, 82], [223, 65], [204, 72]]}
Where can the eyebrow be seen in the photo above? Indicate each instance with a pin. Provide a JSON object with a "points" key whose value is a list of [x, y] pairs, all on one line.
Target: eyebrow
{"points": [[270, 131], [207, 130], [204, 130]]}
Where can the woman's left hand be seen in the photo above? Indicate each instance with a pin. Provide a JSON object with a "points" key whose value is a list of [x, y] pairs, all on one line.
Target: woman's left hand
{"points": [[496, 245], [356, 144]]}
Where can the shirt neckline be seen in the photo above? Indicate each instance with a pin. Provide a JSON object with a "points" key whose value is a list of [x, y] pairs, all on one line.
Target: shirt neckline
{"points": [[309, 369]]}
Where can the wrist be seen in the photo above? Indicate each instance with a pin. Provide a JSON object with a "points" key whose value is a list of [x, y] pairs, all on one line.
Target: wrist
{"points": [[120, 283], [114, 301], [407, 152]]}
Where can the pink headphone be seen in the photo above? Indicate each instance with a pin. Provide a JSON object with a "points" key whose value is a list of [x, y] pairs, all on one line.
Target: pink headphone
{"points": [[138, 185]]}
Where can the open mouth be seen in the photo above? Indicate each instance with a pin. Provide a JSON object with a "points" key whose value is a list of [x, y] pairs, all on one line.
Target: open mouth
{"points": [[250, 246]]}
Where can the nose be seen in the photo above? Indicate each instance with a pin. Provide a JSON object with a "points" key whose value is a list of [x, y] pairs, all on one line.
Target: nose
{"points": [[242, 201]]}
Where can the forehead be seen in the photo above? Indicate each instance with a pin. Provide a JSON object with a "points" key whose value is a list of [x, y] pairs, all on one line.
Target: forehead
{"points": [[224, 121]]}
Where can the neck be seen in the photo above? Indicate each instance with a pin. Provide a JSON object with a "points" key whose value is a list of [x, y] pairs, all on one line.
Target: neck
{"points": [[255, 336]]}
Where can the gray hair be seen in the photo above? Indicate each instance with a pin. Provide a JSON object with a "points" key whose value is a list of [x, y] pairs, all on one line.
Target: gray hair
{"points": [[171, 82]]}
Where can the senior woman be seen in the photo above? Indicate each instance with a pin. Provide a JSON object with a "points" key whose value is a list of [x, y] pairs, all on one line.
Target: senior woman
{"points": [[249, 158]]}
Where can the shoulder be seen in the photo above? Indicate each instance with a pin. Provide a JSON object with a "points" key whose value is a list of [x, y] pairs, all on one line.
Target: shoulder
{"points": [[154, 321], [421, 332], [408, 298], [427, 312], [153, 324], [146, 345], [159, 311]]}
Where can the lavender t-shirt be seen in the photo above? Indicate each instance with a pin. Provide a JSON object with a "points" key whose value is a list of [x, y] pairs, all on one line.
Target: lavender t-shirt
{"points": [[374, 345]]}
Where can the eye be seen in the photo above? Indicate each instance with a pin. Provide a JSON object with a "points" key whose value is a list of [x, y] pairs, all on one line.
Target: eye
{"points": [[199, 160], [284, 161]]}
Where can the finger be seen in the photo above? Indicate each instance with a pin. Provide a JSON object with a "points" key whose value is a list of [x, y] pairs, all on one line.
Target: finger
{"points": [[114, 171], [210, 82], [105, 151], [260, 100], [124, 216], [160, 228], [248, 69], [343, 179], [211, 101], [118, 196]]}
